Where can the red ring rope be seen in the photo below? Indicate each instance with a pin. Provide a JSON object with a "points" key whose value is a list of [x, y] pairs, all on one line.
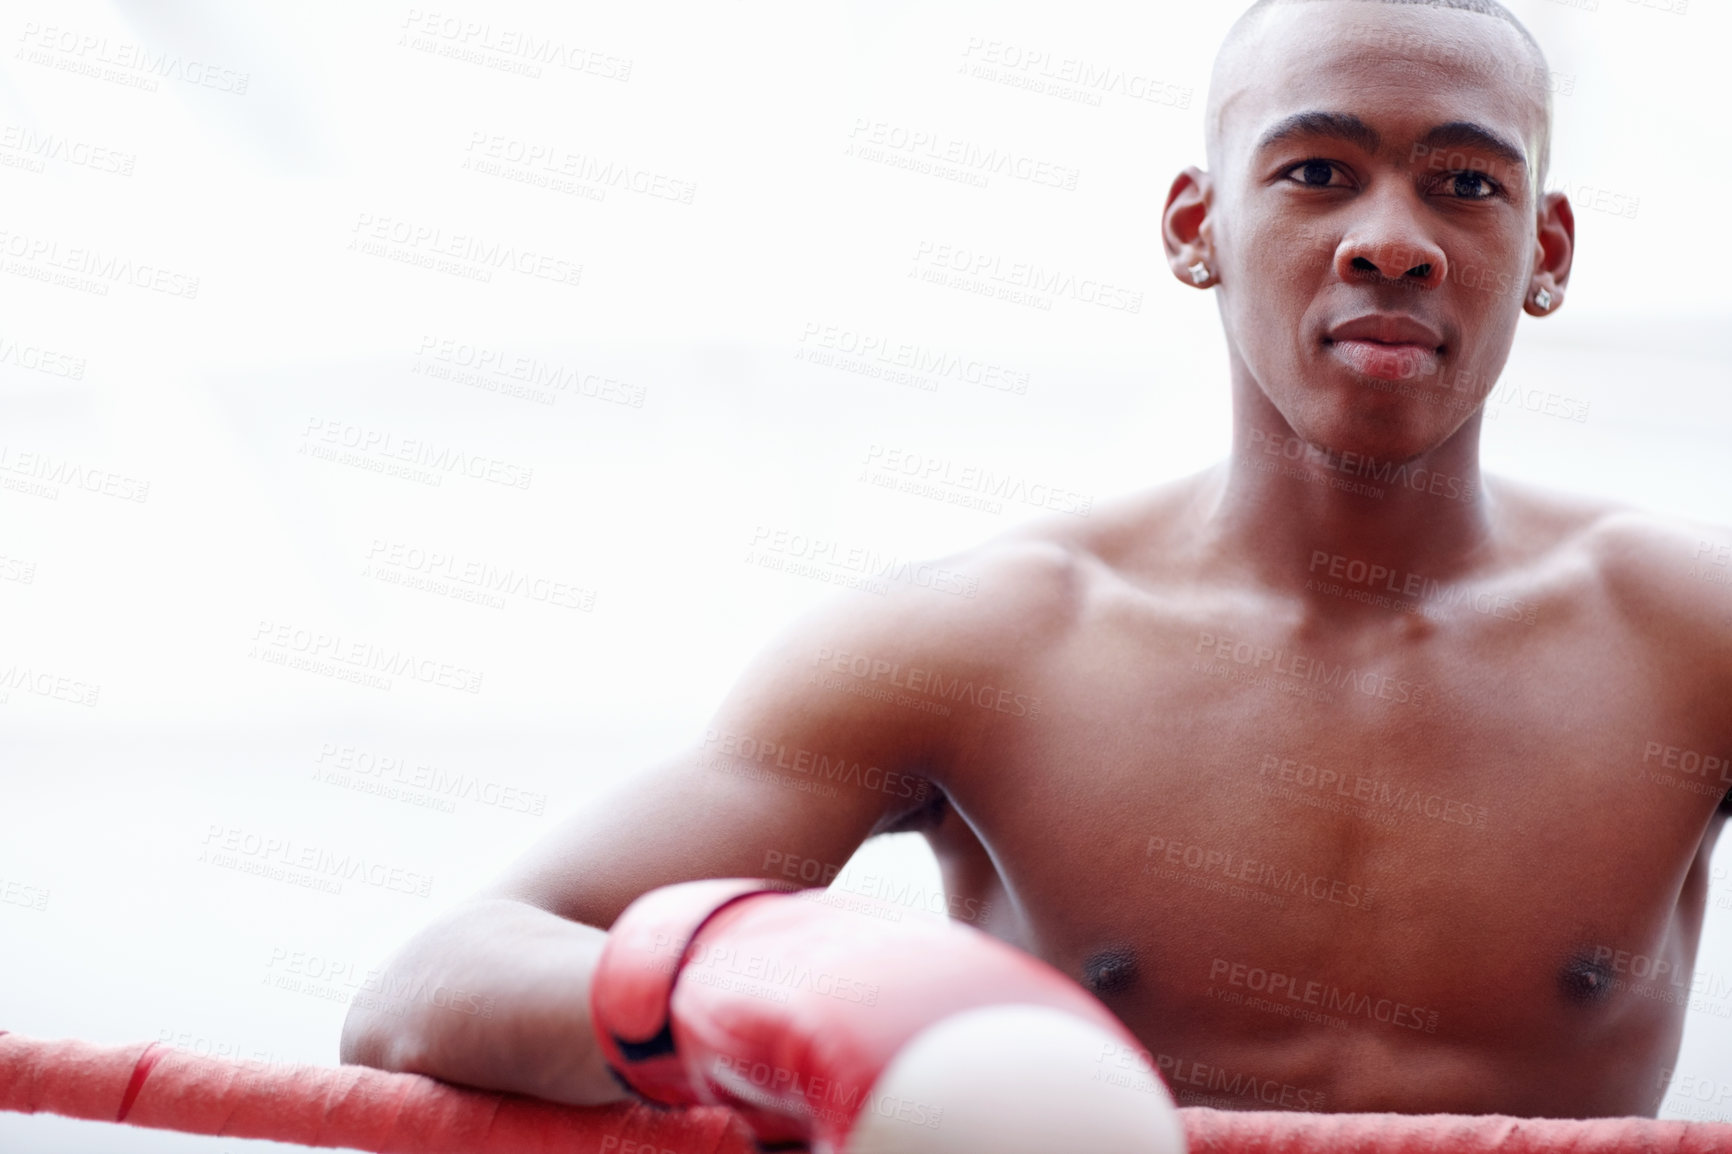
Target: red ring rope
{"points": [[149, 1084], [140, 1071]]}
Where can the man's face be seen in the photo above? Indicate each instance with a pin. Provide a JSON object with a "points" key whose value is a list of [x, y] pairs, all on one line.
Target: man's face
{"points": [[1371, 280]]}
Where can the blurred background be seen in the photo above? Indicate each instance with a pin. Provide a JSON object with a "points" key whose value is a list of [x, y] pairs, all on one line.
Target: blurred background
{"points": [[506, 341]]}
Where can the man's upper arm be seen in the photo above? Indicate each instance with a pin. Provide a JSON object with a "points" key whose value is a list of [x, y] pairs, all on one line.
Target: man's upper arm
{"points": [[810, 753], [1674, 577]]}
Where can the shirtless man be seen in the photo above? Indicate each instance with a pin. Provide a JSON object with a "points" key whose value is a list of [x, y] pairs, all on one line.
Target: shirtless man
{"points": [[1337, 768]]}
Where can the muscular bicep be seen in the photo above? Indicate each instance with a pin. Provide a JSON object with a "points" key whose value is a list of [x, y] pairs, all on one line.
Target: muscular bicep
{"points": [[792, 772], [703, 813]]}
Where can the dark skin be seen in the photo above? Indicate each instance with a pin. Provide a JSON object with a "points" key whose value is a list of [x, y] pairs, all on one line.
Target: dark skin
{"points": [[1383, 785]]}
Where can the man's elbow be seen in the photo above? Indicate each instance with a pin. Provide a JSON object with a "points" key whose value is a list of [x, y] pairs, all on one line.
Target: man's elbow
{"points": [[369, 1040]]}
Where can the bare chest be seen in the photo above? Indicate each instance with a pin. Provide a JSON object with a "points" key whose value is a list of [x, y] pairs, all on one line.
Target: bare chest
{"points": [[1235, 836]]}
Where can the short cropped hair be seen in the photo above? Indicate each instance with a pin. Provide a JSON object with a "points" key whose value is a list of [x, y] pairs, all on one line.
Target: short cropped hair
{"points": [[1541, 76]]}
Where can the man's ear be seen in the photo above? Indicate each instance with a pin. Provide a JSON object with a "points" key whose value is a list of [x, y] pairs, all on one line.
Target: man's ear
{"points": [[1185, 227], [1554, 250]]}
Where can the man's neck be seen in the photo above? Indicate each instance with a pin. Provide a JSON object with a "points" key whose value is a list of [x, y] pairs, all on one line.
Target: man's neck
{"points": [[1301, 512]]}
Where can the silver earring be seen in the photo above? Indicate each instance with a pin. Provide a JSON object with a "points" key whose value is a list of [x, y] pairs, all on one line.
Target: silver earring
{"points": [[1199, 273], [1543, 299]]}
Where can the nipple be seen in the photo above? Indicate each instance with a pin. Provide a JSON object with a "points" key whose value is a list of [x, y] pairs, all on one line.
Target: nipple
{"points": [[1111, 970], [1585, 981]]}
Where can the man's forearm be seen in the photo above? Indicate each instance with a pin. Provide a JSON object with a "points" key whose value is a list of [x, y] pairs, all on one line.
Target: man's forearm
{"points": [[494, 995]]}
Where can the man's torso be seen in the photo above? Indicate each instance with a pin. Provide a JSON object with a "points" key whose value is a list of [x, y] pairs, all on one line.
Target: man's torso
{"points": [[1357, 857]]}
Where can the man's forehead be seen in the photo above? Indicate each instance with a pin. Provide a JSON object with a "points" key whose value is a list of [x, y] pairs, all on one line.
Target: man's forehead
{"points": [[1402, 68]]}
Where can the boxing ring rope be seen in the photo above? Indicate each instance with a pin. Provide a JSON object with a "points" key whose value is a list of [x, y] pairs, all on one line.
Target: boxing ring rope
{"points": [[150, 1084]]}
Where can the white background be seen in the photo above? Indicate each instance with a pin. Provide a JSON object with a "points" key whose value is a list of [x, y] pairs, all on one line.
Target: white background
{"points": [[701, 309]]}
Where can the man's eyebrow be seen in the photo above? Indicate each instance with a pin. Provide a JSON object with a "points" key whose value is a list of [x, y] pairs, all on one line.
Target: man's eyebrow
{"points": [[1340, 125], [1346, 126], [1466, 134]]}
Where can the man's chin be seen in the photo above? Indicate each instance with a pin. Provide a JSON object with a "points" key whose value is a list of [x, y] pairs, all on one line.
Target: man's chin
{"points": [[1394, 433], [1390, 419]]}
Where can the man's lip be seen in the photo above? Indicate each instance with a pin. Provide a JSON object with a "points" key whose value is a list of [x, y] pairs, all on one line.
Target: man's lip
{"points": [[1388, 362], [1393, 329]]}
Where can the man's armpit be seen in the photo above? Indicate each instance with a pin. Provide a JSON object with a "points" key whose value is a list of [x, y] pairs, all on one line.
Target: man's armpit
{"points": [[921, 818]]}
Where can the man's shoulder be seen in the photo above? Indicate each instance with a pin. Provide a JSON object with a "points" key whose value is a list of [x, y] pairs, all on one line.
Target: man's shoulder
{"points": [[1016, 587], [1668, 570], [1048, 569], [1018, 592], [1664, 573]]}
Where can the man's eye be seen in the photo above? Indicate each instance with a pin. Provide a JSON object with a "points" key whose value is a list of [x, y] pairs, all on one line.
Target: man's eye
{"points": [[1313, 173], [1471, 185]]}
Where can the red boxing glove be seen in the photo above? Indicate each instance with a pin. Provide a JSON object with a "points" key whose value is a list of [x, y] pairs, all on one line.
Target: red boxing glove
{"points": [[633, 984], [786, 1008]]}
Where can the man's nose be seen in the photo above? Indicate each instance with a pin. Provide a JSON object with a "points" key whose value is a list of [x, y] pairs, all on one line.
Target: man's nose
{"points": [[1389, 244]]}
